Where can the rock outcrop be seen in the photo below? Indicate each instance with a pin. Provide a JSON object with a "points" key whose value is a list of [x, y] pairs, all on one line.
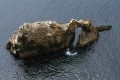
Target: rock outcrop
{"points": [[44, 37], [90, 33]]}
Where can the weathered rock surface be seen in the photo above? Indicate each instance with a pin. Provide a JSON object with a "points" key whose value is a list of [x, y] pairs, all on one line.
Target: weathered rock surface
{"points": [[45, 37], [90, 33]]}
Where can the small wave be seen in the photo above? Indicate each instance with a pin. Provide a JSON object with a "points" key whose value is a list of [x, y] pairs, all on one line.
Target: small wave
{"points": [[68, 53]]}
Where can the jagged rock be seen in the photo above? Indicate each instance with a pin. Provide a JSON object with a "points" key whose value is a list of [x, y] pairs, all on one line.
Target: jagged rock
{"points": [[90, 33], [44, 37]]}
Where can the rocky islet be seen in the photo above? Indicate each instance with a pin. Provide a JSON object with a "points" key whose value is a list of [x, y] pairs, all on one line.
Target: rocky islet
{"points": [[44, 37]]}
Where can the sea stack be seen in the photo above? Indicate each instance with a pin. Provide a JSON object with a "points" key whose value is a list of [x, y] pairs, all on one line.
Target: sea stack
{"points": [[45, 37]]}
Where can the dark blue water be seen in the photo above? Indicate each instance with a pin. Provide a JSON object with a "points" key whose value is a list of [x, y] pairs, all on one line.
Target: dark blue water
{"points": [[100, 62]]}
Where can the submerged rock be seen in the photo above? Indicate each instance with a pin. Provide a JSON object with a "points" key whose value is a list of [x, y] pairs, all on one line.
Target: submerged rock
{"points": [[45, 37]]}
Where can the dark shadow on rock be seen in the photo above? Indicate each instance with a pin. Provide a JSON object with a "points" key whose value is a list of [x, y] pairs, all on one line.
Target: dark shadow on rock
{"points": [[50, 65], [46, 59]]}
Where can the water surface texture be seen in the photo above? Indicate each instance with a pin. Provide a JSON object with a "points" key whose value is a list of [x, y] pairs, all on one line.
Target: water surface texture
{"points": [[100, 62]]}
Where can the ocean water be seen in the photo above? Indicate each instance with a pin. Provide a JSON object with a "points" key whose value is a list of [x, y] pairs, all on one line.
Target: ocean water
{"points": [[101, 61]]}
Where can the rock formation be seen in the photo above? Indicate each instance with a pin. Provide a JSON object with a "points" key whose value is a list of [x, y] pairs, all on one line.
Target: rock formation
{"points": [[90, 33], [45, 37]]}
